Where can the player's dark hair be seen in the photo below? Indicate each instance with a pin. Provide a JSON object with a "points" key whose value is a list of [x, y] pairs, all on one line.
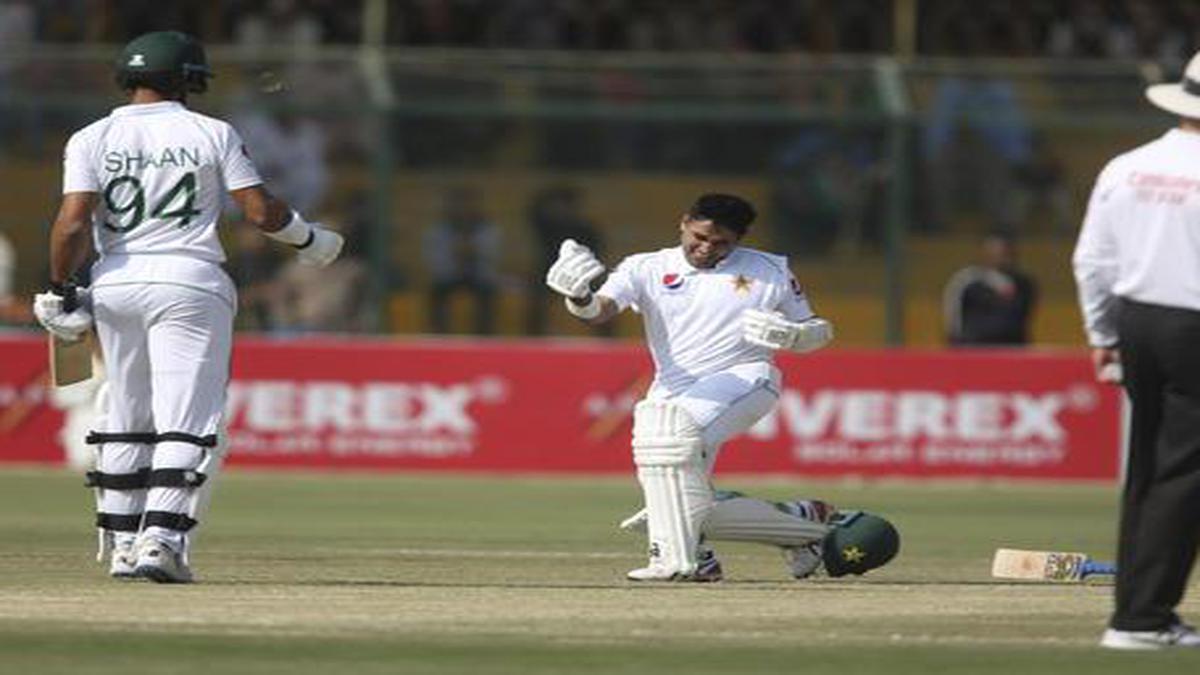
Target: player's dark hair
{"points": [[170, 85], [728, 211]]}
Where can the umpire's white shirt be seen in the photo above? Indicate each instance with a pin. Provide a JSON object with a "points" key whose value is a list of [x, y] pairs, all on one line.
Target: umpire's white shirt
{"points": [[1141, 235], [161, 171], [692, 316]]}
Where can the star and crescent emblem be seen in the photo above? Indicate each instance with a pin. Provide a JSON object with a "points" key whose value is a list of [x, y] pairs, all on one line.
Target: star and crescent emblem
{"points": [[853, 554]]}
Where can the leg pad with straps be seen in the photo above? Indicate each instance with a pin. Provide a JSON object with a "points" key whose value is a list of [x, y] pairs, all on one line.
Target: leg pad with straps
{"points": [[668, 451]]}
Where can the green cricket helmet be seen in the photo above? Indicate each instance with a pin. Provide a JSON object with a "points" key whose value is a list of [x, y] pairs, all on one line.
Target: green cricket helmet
{"points": [[168, 61], [859, 541]]}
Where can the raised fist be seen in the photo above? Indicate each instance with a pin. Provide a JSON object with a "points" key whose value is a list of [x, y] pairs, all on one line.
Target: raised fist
{"points": [[574, 271]]}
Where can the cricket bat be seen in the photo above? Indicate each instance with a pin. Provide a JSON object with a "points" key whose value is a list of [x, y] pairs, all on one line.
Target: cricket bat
{"points": [[70, 362], [1011, 563]]}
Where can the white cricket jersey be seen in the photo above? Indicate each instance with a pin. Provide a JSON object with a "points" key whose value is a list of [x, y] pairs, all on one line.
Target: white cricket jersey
{"points": [[693, 316], [161, 172], [1141, 236]]}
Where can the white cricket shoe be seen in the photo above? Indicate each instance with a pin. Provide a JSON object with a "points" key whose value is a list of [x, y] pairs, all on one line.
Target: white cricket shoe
{"points": [[708, 570], [652, 573], [1178, 635], [803, 561], [158, 562], [123, 564]]}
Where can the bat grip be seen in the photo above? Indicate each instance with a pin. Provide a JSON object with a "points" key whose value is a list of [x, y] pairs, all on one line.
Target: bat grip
{"points": [[1091, 567]]}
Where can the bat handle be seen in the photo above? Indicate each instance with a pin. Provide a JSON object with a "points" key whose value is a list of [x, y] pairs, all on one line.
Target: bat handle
{"points": [[1092, 567]]}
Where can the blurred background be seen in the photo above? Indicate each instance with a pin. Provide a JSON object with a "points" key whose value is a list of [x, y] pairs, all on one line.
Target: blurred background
{"points": [[895, 148]]}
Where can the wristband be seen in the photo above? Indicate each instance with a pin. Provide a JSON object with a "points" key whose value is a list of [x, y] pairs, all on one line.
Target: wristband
{"points": [[69, 292], [588, 310], [297, 232]]}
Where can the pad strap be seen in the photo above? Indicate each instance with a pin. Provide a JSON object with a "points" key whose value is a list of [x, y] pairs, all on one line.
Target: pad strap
{"points": [[150, 437], [117, 481], [181, 478], [99, 437], [209, 441], [171, 521], [117, 522]]}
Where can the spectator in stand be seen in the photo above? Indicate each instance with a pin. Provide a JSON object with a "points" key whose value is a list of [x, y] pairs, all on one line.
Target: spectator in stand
{"points": [[287, 146], [17, 21], [332, 299], [990, 304], [554, 215], [254, 265], [976, 133], [1152, 36], [1041, 189], [1086, 31], [280, 22], [462, 251], [10, 306]]}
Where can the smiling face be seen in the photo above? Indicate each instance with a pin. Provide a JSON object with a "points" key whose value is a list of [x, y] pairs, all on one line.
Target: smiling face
{"points": [[704, 242]]}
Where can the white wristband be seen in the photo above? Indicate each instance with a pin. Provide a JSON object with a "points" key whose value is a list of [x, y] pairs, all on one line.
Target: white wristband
{"points": [[588, 310], [298, 232]]}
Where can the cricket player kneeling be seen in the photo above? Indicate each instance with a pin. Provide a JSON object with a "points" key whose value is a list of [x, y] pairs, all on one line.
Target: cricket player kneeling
{"points": [[668, 451]]}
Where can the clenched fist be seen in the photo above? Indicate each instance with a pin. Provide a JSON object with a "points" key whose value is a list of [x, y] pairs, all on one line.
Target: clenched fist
{"points": [[772, 330], [574, 271]]}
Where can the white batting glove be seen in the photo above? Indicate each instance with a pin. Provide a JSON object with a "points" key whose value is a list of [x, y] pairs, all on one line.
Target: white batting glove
{"points": [[574, 271], [70, 326], [322, 249], [772, 330]]}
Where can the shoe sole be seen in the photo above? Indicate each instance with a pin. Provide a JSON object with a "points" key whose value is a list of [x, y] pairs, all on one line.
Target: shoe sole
{"points": [[678, 579], [158, 575]]}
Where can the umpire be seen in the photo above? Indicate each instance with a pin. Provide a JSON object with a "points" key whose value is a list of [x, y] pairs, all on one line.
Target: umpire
{"points": [[1137, 265]]}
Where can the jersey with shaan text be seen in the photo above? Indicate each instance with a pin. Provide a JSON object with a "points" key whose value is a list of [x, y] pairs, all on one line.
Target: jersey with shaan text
{"points": [[693, 316], [160, 171]]}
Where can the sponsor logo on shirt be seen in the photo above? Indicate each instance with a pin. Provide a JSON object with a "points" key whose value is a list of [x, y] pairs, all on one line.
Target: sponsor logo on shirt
{"points": [[672, 280]]}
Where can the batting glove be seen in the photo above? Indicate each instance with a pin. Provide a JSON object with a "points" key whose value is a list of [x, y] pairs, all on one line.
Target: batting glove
{"points": [[322, 249], [315, 245], [574, 271], [62, 311], [772, 330]]}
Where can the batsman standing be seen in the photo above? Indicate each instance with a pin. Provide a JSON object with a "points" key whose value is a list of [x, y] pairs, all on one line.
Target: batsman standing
{"points": [[714, 314], [144, 185]]}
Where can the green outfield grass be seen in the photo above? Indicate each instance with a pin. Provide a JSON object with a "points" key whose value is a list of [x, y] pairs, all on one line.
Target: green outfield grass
{"points": [[349, 574]]}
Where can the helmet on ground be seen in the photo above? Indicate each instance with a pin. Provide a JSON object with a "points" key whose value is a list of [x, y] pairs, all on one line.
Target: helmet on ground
{"points": [[859, 541], [167, 61]]}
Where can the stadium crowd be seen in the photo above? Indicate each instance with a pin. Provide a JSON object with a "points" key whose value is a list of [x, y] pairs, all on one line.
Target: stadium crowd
{"points": [[1164, 30]]}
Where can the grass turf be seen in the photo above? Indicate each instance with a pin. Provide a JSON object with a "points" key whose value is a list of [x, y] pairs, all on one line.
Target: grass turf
{"points": [[423, 573]]}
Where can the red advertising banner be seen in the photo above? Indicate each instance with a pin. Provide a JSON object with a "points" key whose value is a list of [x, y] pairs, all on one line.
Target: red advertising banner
{"points": [[566, 406]]}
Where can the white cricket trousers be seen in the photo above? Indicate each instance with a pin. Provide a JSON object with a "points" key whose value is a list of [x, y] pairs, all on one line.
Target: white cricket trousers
{"points": [[166, 350]]}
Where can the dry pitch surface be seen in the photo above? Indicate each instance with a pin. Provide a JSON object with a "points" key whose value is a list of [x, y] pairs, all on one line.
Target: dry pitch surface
{"points": [[310, 573]]}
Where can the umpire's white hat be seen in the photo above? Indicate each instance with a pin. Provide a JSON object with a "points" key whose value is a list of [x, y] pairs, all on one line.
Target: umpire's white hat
{"points": [[1181, 98]]}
